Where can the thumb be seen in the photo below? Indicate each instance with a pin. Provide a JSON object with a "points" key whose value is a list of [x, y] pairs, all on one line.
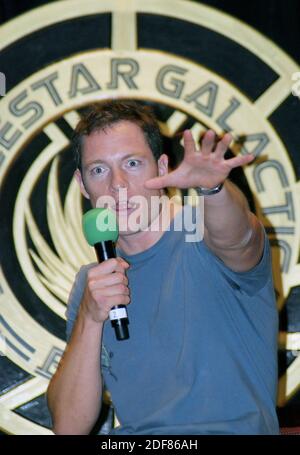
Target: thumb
{"points": [[157, 183]]}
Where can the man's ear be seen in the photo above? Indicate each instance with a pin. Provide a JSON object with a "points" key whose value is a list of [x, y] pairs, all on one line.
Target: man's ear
{"points": [[163, 163], [78, 177]]}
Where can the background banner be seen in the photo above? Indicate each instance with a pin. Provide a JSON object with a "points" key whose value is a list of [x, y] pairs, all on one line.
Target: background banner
{"points": [[226, 65]]}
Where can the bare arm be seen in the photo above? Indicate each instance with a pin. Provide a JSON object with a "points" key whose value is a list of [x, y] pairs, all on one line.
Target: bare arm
{"points": [[75, 391], [232, 232]]}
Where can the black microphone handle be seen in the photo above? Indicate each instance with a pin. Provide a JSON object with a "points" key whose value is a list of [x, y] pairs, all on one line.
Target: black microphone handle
{"points": [[118, 314]]}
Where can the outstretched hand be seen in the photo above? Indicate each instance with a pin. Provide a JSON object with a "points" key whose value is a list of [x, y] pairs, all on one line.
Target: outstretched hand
{"points": [[205, 167]]}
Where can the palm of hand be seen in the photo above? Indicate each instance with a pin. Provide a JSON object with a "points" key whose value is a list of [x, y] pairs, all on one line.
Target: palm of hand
{"points": [[205, 167]]}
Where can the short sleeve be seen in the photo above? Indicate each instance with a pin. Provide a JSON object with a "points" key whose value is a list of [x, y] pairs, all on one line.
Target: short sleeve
{"points": [[251, 281], [75, 299]]}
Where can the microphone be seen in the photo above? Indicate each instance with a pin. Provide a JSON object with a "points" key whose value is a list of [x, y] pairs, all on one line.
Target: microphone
{"points": [[101, 231]]}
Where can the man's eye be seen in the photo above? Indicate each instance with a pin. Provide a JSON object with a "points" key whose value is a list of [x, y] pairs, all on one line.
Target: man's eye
{"points": [[133, 163], [97, 170]]}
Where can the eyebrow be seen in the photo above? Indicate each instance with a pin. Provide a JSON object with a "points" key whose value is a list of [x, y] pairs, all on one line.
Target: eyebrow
{"points": [[129, 155]]}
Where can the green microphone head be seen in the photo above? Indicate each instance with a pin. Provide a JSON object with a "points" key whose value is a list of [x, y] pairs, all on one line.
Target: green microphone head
{"points": [[100, 225]]}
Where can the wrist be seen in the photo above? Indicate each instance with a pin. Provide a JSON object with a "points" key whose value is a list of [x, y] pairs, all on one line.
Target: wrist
{"points": [[201, 191], [87, 319]]}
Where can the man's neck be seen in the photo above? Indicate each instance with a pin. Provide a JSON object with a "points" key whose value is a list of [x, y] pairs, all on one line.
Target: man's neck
{"points": [[143, 240]]}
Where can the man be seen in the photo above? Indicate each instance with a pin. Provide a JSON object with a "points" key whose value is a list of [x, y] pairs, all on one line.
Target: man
{"points": [[201, 357]]}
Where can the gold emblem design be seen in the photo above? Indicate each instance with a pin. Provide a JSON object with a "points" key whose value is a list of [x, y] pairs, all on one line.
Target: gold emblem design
{"points": [[191, 90]]}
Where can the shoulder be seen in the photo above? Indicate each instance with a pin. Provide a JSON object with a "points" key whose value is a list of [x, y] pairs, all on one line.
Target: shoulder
{"points": [[250, 281]]}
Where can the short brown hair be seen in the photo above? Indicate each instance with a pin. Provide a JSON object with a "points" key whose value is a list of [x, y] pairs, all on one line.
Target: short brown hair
{"points": [[102, 115]]}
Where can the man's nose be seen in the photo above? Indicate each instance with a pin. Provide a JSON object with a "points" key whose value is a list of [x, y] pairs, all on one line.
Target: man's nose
{"points": [[118, 180]]}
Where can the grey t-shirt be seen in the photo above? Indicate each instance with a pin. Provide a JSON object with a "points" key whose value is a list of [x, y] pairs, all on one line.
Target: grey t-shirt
{"points": [[202, 352]]}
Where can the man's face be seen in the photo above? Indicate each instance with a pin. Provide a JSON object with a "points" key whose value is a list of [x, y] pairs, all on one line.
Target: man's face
{"points": [[116, 162]]}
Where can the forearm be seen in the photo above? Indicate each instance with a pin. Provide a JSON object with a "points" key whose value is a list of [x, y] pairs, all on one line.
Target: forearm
{"points": [[74, 393], [227, 218]]}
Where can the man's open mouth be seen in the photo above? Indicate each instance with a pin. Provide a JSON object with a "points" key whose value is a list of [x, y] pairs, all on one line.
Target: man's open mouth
{"points": [[125, 207]]}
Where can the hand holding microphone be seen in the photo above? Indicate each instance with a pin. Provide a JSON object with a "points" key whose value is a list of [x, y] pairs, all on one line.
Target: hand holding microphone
{"points": [[106, 293]]}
